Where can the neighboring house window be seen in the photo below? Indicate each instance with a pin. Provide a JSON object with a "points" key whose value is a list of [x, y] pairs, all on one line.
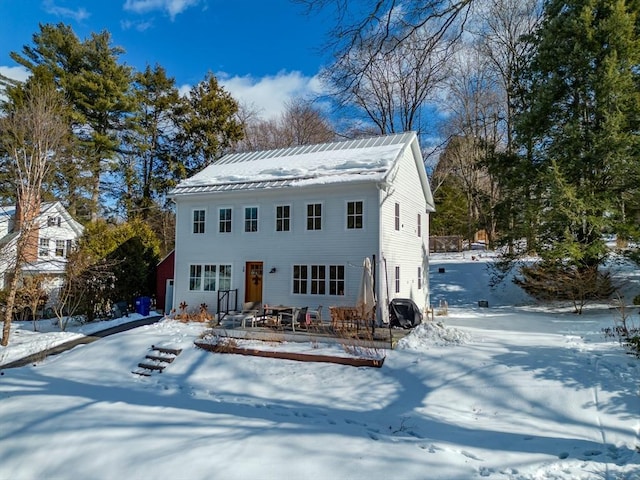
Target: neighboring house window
{"points": [[397, 279], [225, 220], [195, 277], [54, 221], [300, 279], [198, 221], [336, 279], [251, 219], [419, 225], [419, 278], [44, 247], [314, 216], [283, 218], [397, 215], [210, 272], [318, 279], [354, 215], [209, 277], [61, 248]]}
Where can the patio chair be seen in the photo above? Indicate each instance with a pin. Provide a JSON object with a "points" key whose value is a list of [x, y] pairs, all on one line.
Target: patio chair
{"points": [[249, 312], [297, 317], [314, 318]]}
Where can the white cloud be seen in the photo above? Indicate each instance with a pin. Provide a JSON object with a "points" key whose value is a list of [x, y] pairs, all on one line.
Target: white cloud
{"points": [[171, 7], [15, 73], [78, 15], [139, 26], [269, 94]]}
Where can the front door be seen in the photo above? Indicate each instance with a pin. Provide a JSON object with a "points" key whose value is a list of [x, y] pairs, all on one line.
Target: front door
{"points": [[253, 282]]}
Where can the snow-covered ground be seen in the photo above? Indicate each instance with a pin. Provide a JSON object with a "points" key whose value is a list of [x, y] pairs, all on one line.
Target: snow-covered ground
{"points": [[517, 390]]}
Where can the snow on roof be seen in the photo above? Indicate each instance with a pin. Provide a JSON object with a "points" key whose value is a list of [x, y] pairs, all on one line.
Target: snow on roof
{"points": [[337, 162]]}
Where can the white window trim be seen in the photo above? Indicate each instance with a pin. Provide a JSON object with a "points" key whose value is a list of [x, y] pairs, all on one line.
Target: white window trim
{"points": [[275, 217], [192, 221], [322, 216], [244, 219], [218, 220], [346, 216]]}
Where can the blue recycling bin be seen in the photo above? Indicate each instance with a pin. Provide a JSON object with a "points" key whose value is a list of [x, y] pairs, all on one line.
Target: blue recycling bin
{"points": [[143, 305]]}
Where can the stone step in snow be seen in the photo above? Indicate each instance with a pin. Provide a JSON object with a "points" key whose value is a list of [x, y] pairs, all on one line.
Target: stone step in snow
{"points": [[160, 358]]}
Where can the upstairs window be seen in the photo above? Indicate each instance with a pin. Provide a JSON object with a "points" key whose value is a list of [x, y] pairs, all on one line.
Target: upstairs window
{"points": [[419, 278], [419, 225], [54, 221], [397, 280], [198, 221], [225, 220], [251, 219], [355, 215], [283, 218], [314, 216], [397, 216]]}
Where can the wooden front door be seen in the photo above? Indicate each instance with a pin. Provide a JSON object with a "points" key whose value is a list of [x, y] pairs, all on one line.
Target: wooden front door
{"points": [[253, 282]]}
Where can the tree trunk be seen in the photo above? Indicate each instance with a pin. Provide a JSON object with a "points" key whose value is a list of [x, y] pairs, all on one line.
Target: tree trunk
{"points": [[11, 298]]}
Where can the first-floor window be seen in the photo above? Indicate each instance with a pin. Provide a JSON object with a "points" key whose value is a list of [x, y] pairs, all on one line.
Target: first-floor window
{"points": [[224, 278], [209, 277], [195, 277], [336, 279], [318, 279], [397, 279], [300, 279], [44, 247], [210, 272], [60, 248], [419, 277]]}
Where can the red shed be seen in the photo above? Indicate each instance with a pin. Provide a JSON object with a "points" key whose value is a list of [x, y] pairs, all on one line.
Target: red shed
{"points": [[164, 283]]}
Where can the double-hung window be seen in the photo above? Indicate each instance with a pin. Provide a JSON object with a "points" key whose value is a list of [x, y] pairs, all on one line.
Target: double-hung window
{"points": [[198, 221], [283, 218], [251, 219], [355, 215], [419, 225], [336, 279], [397, 282], [44, 247], [195, 277], [224, 220], [318, 279], [397, 216], [300, 279], [314, 216], [209, 277]]}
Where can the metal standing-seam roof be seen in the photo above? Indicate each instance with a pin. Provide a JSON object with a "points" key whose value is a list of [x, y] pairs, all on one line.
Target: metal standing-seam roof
{"points": [[337, 162]]}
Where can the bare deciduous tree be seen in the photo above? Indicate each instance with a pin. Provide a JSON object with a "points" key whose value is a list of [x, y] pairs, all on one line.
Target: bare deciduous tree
{"points": [[300, 124], [30, 134]]}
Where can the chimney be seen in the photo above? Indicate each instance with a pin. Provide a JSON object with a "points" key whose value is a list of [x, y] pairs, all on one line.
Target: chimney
{"points": [[26, 214]]}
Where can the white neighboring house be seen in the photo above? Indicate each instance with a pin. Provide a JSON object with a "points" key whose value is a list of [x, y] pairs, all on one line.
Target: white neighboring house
{"points": [[293, 226], [57, 232]]}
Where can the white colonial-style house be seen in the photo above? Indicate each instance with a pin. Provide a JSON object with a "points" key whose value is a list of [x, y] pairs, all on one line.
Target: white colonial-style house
{"points": [[47, 252], [293, 226]]}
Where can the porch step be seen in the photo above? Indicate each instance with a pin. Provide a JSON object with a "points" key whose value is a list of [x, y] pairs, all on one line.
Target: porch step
{"points": [[157, 360]]}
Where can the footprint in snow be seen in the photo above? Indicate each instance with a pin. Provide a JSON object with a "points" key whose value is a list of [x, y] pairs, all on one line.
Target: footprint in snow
{"points": [[470, 455]]}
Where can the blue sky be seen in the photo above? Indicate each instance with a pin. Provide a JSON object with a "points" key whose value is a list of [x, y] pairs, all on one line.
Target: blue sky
{"points": [[263, 51]]}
